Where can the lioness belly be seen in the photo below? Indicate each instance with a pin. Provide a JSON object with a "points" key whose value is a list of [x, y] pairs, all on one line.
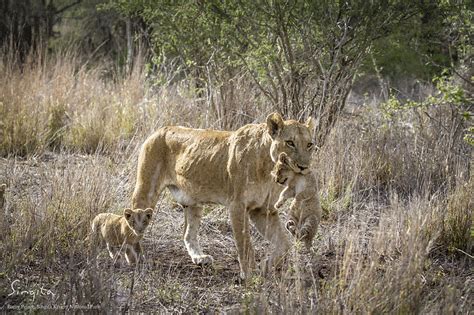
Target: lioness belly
{"points": [[181, 196], [191, 194]]}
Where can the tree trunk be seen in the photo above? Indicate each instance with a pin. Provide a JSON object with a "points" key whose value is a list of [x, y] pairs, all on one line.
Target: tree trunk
{"points": [[129, 62]]}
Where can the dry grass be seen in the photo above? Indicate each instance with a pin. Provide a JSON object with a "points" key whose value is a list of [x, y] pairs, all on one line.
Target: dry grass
{"points": [[62, 102], [396, 236]]}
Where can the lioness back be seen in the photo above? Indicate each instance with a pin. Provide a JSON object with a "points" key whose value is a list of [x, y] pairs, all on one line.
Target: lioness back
{"points": [[202, 166]]}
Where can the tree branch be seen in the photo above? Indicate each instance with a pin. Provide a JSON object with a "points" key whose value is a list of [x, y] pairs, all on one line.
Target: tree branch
{"points": [[67, 7]]}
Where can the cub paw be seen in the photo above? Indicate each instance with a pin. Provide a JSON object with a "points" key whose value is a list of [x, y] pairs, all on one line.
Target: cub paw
{"points": [[203, 260]]}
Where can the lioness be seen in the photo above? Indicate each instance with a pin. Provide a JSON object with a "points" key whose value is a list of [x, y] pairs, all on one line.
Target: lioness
{"points": [[305, 209], [229, 168], [122, 231]]}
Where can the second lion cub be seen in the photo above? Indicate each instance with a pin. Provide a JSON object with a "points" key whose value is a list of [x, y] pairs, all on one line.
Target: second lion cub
{"points": [[305, 209], [122, 231]]}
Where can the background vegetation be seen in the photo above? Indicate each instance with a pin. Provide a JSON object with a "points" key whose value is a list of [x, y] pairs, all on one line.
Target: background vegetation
{"points": [[390, 82]]}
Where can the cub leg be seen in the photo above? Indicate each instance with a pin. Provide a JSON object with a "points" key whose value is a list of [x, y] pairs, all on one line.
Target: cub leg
{"points": [[285, 194], [138, 249], [294, 217], [111, 250], [130, 255], [240, 227], [192, 220]]}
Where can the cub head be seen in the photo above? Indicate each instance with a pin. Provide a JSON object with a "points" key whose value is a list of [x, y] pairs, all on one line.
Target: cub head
{"points": [[284, 169], [291, 137], [138, 219]]}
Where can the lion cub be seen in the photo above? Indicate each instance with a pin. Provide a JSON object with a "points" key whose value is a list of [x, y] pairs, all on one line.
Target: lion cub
{"points": [[305, 210], [123, 231]]}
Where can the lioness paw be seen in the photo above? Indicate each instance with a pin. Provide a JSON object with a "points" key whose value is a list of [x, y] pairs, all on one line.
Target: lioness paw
{"points": [[203, 260]]}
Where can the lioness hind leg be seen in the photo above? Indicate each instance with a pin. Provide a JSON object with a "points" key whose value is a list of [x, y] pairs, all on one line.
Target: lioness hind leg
{"points": [[192, 221], [146, 194], [150, 176]]}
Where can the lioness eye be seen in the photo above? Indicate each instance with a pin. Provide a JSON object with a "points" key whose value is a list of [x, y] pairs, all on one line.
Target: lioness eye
{"points": [[290, 143]]}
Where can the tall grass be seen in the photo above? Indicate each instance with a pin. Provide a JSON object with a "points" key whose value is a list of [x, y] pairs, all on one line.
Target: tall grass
{"points": [[58, 102], [66, 102]]}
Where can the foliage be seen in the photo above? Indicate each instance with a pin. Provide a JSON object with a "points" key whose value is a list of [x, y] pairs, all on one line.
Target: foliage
{"points": [[434, 39], [451, 95], [301, 55]]}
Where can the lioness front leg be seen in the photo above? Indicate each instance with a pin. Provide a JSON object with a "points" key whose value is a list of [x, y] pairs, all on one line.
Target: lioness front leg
{"points": [[270, 226], [240, 227], [192, 220]]}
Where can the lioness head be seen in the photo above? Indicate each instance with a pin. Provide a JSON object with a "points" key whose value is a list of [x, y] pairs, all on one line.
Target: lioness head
{"points": [[284, 169], [138, 219], [291, 137]]}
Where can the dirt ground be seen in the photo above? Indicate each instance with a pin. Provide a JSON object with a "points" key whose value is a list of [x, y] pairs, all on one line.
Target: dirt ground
{"points": [[48, 265]]}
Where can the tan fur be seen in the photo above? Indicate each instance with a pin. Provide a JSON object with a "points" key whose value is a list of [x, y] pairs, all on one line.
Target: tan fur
{"points": [[229, 168], [305, 210], [122, 231]]}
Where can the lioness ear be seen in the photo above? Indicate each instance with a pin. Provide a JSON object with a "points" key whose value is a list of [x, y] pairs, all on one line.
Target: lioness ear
{"points": [[127, 213], [274, 124], [310, 124]]}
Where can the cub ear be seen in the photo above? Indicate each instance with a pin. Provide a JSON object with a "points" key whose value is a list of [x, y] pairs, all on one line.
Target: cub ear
{"points": [[3, 187], [149, 211], [283, 158], [127, 213], [291, 227], [310, 123], [274, 124]]}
